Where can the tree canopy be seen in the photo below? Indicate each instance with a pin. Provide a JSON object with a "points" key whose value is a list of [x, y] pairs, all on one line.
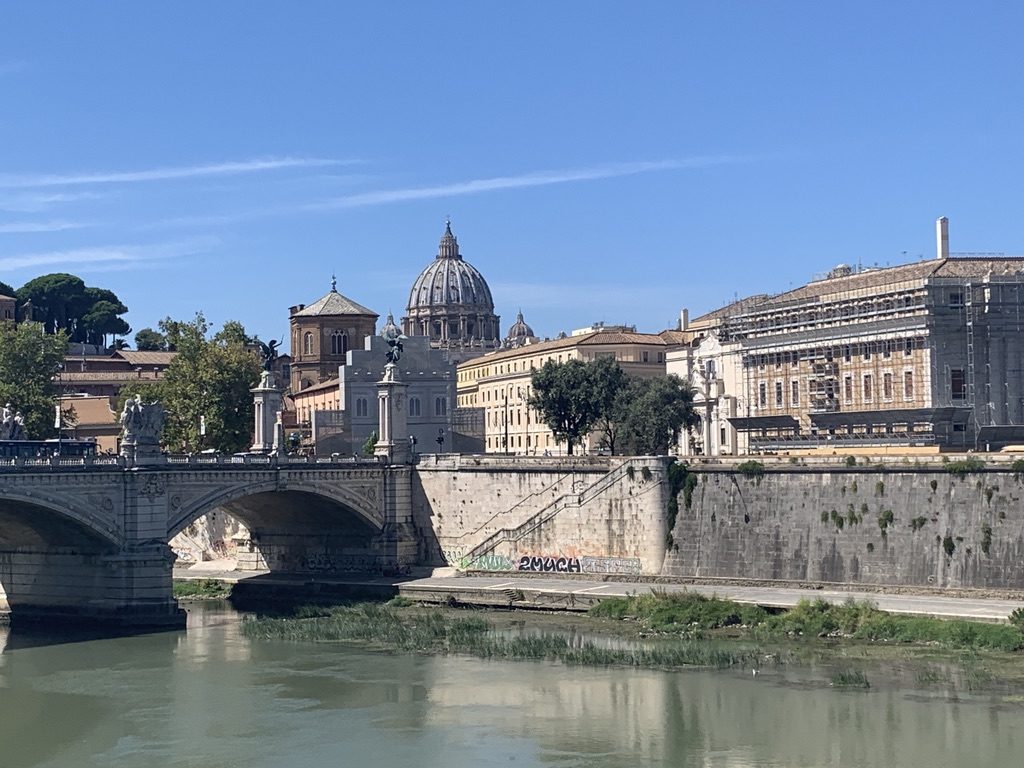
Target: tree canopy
{"points": [[148, 340], [209, 381], [29, 361], [639, 416], [63, 302], [6, 290]]}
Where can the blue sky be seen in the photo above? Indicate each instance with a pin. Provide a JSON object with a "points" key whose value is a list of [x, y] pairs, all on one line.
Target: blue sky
{"points": [[599, 161]]}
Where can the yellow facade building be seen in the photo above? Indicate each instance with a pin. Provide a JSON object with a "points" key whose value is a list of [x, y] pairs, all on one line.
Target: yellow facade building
{"points": [[493, 390]]}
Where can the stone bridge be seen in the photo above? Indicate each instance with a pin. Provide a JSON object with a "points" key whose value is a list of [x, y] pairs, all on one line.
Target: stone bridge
{"points": [[88, 538]]}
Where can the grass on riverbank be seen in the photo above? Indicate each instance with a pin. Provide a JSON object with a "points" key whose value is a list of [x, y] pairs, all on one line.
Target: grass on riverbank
{"points": [[431, 630], [200, 589], [689, 613]]}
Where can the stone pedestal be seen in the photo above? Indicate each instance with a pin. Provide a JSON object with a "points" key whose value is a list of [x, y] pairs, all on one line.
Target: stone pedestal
{"points": [[268, 401], [393, 432]]}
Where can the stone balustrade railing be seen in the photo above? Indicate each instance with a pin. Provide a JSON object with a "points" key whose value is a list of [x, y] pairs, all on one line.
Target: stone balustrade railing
{"points": [[175, 461]]}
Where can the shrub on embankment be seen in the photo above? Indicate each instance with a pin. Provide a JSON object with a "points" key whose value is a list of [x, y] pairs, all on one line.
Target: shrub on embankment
{"points": [[686, 612]]}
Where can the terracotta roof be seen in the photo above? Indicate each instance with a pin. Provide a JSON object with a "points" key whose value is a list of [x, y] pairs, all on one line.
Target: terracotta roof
{"points": [[590, 339], [9, 298], [111, 376], [334, 304], [329, 384], [619, 337], [145, 358]]}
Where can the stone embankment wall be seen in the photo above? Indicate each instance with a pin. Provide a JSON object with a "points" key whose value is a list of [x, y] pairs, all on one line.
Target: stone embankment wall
{"points": [[583, 515], [898, 525]]}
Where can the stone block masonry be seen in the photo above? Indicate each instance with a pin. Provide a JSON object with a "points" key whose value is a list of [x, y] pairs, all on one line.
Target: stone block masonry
{"points": [[547, 516], [933, 526]]}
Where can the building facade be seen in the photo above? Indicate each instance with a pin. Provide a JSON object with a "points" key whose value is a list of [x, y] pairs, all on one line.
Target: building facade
{"points": [[323, 333], [926, 355], [450, 304], [493, 390]]}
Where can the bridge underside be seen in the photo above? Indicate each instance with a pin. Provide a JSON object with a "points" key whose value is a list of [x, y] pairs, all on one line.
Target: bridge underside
{"points": [[304, 533], [56, 569]]}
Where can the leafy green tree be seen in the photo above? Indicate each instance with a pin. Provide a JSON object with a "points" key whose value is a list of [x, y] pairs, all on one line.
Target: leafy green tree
{"points": [[563, 395], [370, 445], [233, 332], [209, 378], [30, 359], [609, 386], [653, 413], [148, 340]]}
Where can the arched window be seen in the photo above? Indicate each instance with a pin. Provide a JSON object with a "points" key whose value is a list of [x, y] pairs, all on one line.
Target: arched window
{"points": [[339, 342], [414, 406], [361, 407], [440, 406], [307, 343]]}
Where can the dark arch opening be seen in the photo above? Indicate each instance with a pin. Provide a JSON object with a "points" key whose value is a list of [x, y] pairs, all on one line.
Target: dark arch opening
{"points": [[48, 560], [297, 531]]}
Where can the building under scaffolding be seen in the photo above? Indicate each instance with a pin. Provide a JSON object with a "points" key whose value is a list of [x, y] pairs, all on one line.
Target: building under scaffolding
{"points": [[923, 354]]}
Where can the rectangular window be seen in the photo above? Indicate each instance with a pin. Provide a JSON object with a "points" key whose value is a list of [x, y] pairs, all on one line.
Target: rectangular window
{"points": [[848, 389], [908, 347], [846, 353], [645, 353], [762, 394], [886, 349], [795, 388], [866, 348], [956, 299], [887, 386], [867, 387], [778, 394], [908, 385], [957, 384]]}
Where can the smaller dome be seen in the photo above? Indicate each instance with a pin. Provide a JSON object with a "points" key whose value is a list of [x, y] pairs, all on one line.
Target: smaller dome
{"points": [[520, 333]]}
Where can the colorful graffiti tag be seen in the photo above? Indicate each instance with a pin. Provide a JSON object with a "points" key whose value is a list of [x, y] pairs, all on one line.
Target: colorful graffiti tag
{"points": [[549, 564]]}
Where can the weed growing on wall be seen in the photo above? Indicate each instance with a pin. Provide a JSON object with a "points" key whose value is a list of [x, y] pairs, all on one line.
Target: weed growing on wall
{"points": [[885, 519], [751, 468], [965, 466], [948, 546], [986, 538], [918, 523]]}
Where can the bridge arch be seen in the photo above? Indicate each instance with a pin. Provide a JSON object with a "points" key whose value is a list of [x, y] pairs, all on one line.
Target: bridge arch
{"points": [[38, 519], [297, 506]]}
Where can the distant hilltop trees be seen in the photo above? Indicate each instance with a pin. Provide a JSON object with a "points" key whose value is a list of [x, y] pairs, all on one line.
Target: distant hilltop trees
{"points": [[63, 302]]}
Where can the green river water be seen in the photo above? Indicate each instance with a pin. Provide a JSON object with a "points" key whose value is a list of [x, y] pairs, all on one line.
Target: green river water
{"points": [[210, 697]]}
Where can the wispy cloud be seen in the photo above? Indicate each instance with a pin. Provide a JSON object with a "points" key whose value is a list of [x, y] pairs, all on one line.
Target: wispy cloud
{"points": [[34, 202], [110, 256], [19, 227], [533, 179], [256, 165]]}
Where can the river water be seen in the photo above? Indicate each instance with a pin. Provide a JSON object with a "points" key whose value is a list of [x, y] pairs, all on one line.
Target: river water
{"points": [[210, 697]]}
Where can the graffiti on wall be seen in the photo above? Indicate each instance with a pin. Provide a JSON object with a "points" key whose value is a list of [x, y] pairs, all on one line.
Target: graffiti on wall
{"points": [[611, 565], [489, 562], [629, 566], [549, 564]]}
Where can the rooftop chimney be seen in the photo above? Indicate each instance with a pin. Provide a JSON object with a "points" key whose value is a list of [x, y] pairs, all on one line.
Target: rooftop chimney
{"points": [[942, 238]]}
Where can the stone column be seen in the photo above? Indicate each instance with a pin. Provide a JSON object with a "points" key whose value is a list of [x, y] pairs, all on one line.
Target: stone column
{"points": [[268, 402], [393, 440]]}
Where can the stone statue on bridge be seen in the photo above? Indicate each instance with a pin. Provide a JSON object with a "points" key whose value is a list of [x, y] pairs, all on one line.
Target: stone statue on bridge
{"points": [[142, 424], [12, 424]]}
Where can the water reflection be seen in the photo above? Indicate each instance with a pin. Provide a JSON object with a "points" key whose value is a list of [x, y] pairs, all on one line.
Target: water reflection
{"points": [[212, 697]]}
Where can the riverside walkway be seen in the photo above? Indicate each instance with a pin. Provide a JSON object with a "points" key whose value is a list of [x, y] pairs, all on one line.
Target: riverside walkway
{"points": [[502, 590]]}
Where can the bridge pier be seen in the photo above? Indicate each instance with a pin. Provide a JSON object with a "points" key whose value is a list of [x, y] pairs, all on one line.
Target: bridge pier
{"points": [[128, 589]]}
